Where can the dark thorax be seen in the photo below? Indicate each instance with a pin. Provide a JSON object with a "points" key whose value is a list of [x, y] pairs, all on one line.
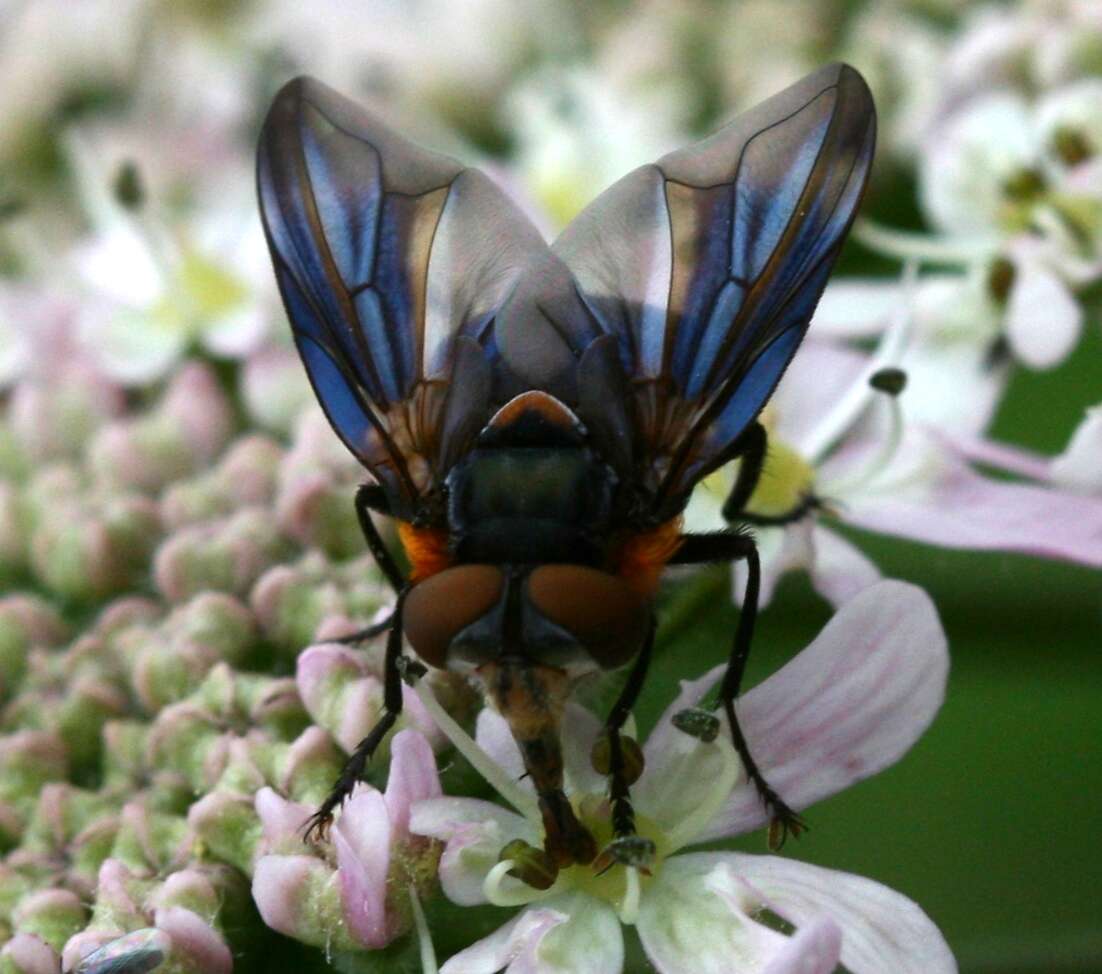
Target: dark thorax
{"points": [[531, 492]]}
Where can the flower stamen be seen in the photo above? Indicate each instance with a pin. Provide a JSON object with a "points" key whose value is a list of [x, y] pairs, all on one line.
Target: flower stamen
{"points": [[479, 759]]}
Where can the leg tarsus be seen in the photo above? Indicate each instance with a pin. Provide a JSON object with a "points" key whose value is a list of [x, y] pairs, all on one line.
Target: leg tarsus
{"points": [[318, 823]]}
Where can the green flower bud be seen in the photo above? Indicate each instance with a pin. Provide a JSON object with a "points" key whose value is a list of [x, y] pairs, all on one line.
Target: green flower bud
{"points": [[53, 915], [228, 827], [226, 556]]}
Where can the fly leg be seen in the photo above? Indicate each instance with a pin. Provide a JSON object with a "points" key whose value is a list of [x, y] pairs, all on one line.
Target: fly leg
{"points": [[394, 666], [623, 763], [370, 497], [733, 546]]}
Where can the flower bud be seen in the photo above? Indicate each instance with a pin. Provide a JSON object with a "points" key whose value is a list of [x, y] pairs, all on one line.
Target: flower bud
{"points": [[137, 952], [25, 621], [89, 551], [194, 501], [307, 767], [14, 533], [227, 825], [29, 760], [183, 434], [249, 470], [296, 896], [151, 841], [227, 556], [53, 915], [289, 601], [124, 752], [14, 461], [54, 418], [27, 953]]}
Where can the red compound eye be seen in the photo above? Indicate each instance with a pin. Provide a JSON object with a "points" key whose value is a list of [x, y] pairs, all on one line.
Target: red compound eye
{"points": [[607, 617], [438, 608]]}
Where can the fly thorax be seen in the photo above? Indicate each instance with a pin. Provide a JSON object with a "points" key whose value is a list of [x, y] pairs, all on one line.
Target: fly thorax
{"points": [[529, 505]]}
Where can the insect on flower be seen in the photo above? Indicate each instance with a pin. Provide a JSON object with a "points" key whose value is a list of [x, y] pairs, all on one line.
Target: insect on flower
{"points": [[535, 417]]}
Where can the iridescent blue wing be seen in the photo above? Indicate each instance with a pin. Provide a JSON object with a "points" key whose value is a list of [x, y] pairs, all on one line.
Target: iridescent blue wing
{"points": [[392, 262], [704, 269]]}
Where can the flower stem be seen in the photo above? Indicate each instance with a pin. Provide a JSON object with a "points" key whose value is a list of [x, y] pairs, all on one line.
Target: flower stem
{"points": [[957, 251], [424, 937]]}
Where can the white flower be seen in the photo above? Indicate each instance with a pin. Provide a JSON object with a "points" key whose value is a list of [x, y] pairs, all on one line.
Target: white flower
{"points": [[158, 282], [852, 703], [1014, 191], [900, 466], [1034, 45], [577, 132]]}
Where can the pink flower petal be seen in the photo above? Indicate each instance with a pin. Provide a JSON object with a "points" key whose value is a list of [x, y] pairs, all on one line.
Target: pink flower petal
{"points": [[960, 508], [839, 569], [516, 941], [1079, 467], [568, 934], [1013, 459], [813, 949], [818, 377], [475, 832], [493, 736], [29, 954], [693, 918], [849, 705], [196, 939], [580, 729], [281, 819], [664, 745], [362, 838], [856, 307], [281, 886], [882, 930], [412, 777], [1043, 319]]}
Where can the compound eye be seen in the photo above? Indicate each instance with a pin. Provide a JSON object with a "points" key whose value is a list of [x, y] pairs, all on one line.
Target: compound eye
{"points": [[607, 617], [437, 609]]}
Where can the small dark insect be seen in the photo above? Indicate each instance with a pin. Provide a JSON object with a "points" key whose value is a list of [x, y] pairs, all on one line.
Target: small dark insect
{"points": [[535, 417]]}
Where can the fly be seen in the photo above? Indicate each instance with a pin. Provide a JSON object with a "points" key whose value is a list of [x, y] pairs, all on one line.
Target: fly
{"points": [[536, 416]]}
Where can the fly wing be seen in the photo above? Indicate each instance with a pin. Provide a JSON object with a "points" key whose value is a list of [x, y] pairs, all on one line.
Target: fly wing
{"points": [[392, 262], [705, 268]]}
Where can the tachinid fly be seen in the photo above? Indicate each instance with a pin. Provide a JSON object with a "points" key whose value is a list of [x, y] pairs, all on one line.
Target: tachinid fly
{"points": [[535, 417]]}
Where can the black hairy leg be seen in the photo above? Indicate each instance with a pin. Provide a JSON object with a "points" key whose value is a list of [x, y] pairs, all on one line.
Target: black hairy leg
{"points": [[370, 497], [622, 761], [734, 546]]}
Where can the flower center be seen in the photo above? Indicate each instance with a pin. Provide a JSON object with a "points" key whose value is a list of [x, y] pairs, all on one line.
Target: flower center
{"points": [[615, 884], [786, 481]]}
